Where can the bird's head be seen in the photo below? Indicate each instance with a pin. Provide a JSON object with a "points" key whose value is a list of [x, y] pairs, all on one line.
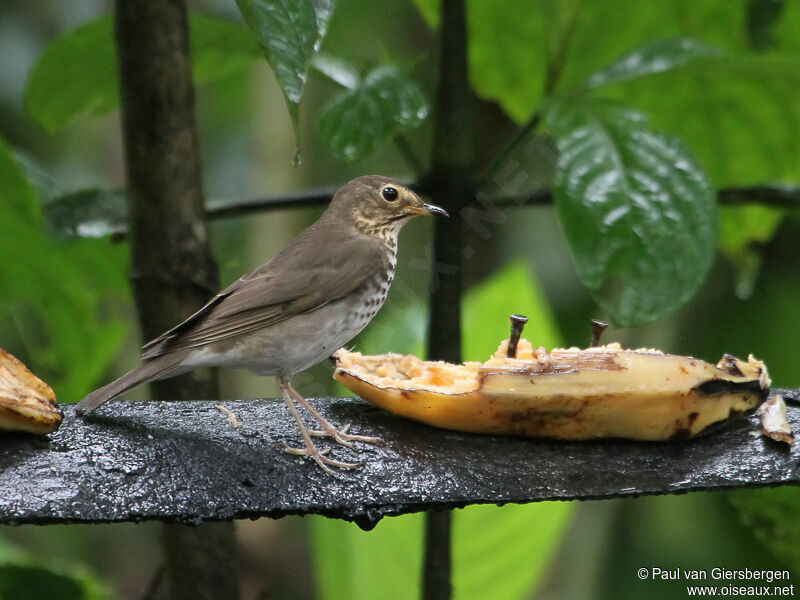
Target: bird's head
{"points": [[380, 205]]}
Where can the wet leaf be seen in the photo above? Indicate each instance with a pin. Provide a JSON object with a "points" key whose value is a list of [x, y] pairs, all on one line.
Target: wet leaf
{"points": [[77, 72], [637, 210], [359, 121], [654, 57], [93, 213], [737, 113], [290, 34], [337, 69]]}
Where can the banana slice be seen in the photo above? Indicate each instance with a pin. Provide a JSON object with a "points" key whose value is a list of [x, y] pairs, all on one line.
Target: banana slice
{"points": [[567, 393], [26, 402]]}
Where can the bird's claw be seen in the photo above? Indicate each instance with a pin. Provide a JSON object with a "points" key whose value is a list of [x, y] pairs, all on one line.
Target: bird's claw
{"points": [[342, 437], [320, 457]]}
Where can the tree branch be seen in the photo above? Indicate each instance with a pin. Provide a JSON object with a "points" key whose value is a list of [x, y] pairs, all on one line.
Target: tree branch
{"points": [[778, 196]]}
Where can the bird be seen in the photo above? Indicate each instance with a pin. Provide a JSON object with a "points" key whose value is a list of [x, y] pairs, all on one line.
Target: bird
{"points": [[290, 313]]}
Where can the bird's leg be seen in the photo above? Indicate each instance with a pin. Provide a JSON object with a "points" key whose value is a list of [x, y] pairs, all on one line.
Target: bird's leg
{"points": [[328, 429], [310, 449]]}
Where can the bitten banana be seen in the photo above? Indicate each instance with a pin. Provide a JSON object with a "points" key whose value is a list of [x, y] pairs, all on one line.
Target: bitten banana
{"points": [[571, 394], [26, 402]]}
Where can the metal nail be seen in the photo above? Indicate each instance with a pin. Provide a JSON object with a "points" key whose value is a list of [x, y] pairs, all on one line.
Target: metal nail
{"points": [[517, 325], [598, 327]]}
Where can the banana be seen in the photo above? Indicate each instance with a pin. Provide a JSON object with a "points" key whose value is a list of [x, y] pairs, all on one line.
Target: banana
{"points": [[568, 393], [26, 402]]}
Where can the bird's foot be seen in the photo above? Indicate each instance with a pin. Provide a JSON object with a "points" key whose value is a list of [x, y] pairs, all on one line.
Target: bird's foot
{"points": [[321, 458], [341, 436]]}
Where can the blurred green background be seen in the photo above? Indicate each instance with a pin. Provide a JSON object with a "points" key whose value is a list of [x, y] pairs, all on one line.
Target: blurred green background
{"points": [[723, 77]]}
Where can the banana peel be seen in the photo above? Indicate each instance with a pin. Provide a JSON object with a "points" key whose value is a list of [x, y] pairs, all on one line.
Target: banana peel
{"points": [[26, 402], [567, 393]]}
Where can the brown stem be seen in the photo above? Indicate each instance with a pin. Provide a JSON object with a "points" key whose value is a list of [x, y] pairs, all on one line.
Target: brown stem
{"points": [[450, 186], [173, 272]]}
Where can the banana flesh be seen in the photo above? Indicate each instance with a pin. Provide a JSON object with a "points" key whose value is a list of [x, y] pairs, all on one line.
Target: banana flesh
{"points": [[26, 402], [570, 394]]}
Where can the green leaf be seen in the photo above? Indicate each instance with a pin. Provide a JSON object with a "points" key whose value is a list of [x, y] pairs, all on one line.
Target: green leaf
{"points": [[19, 582], [637, 210], [762, 15], [351, 564], [92, 213], [507, 51], [50, 287], [77, 72], [488, 304], [507, 54], [741, 230], [772, 514], [337, 69], [737, 113], [654, 57], [290, 33], [17, 195], [503, 552], [359, 121]]}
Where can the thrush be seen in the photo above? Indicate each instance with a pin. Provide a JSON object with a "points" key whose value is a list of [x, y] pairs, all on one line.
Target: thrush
{"points": [[283, 317]]}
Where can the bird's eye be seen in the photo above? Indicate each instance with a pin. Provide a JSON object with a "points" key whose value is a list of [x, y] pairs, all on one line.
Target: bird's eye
{"points": [[389, 193]]}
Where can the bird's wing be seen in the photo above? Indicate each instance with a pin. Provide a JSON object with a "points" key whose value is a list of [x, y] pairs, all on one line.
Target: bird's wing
{"points": [[291, 283]]}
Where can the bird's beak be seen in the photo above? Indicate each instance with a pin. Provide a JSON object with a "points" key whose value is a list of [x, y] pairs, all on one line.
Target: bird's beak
{"points": [[428, 209]]}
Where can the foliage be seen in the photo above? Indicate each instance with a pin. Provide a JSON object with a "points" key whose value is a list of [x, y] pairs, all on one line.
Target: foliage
{"points": [[53, 292], [773, 516], [650, 106], [24, 578], [77, 73], [636, 208], [290, 34], [374, 109]]}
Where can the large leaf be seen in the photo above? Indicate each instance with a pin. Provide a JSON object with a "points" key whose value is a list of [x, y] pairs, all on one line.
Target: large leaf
{"points": [[637, 210], [91, 213], [654, 57], [290, 33], [502, 552], [351, 564], [77, 72], [518, 49], [37, 582], [507, 51], [737, 113], [53, 294], [358, 121], [488, 305]]}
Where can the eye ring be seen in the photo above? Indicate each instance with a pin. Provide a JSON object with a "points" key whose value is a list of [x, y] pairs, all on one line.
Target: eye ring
{"points": [[390, 194]]}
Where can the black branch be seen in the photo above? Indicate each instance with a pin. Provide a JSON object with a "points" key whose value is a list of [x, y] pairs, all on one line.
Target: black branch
{"points": [[768, 195], [185, 462]]}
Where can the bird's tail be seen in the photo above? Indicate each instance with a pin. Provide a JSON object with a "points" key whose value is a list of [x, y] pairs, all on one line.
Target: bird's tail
{"points": [[148, 371]]}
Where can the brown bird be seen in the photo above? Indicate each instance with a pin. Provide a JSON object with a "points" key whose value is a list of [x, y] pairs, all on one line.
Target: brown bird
{"points": [[310, 299]]}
